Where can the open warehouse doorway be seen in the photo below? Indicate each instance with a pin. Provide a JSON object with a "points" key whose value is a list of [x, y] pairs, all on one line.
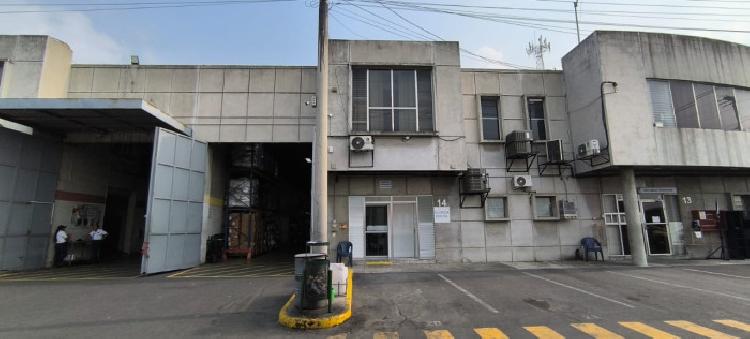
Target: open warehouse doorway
{"points": [[117, 163], [266, 198]]}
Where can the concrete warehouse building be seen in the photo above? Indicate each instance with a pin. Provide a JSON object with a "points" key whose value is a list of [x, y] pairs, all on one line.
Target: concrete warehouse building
{"points": [[201, 150]]}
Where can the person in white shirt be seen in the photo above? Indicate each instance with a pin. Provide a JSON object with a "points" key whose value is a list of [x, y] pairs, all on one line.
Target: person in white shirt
{"points": [[61, 245], [97, 236]]}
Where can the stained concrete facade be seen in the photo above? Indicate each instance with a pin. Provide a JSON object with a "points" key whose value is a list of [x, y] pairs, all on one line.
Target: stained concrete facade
{"points": [[270, 104]]}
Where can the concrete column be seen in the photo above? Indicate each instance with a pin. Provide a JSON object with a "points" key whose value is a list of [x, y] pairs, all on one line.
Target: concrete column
{"points": [[319, 213], [633, 216]]}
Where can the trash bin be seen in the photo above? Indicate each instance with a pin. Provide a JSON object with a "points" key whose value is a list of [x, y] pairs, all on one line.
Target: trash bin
{"points": [[299, 272], [315, 284]]}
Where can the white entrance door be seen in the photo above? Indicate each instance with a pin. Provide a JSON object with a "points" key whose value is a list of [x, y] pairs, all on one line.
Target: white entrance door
{"points": [[174, 214], [404, 224], [657, 232]]}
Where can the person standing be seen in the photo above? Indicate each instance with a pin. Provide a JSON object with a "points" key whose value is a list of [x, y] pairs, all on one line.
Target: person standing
{"points": [[97, 236], [61, 245]]}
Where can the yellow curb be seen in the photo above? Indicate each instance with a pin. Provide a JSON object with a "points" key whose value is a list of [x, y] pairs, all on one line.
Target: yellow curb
{"points": [[306, 323], [378, 263]]}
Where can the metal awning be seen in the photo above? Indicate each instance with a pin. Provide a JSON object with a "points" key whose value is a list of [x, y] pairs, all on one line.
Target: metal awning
{"points": [[88, 115]]}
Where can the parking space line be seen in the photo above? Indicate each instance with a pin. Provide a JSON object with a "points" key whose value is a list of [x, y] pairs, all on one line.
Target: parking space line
{"points": [[734, 324], [469, 294], [490, 333], [746, 300], [596, 331], [438, 334], [647, 330], [579, 290], [543, 332], [717, 273], [704, 331], [385, 335]]}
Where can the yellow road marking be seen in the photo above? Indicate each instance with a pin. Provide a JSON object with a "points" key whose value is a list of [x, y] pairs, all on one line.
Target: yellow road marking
{"points": [[596, 331], [381, 263], [734, 324], [439, 334], [647, 330], [543, 332], [385, 335], [337, 336], [704, 331], [490, 333]]}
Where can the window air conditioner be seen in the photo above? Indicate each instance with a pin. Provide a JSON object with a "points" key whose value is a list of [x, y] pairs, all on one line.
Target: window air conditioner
{"points": [[360, 143], [589, 149], [555, 151], [518, 144], [568, 209], [522, 181]]}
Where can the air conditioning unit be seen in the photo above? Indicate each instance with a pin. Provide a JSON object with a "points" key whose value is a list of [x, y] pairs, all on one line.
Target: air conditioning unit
{"points": [[474, 180], [555, 151], [589, 149], [568, 209], [522, 181], [518, 144], [360, 143]]}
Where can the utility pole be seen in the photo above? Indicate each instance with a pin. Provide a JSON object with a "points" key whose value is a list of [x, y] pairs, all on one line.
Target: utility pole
{"points": [[319, 214], [539, 50], [578, 30]]}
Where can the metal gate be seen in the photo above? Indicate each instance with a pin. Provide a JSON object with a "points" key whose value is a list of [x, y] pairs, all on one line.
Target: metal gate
{"points": [[174, 214], [29, 166]]}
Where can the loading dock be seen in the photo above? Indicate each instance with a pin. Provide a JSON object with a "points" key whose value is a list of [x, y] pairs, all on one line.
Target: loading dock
{"points": [[142, 140]]}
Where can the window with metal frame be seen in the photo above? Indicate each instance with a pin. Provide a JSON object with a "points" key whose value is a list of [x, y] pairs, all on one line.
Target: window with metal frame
{"points": [[545, 207], [685, 104], [391, 100], [491, 120], [496, 208], [537, 119], [616, 226]]}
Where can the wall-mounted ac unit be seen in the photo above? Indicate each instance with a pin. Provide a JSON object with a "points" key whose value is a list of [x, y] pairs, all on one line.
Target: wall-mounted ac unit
{"points": [[589, 149], [522, 181], [474, 180], [360, 143], [555, 151], [518, 144], [568, 209]]}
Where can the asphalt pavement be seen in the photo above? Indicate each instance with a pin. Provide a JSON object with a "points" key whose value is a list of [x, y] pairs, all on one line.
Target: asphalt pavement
{"points": [[605, 302]]}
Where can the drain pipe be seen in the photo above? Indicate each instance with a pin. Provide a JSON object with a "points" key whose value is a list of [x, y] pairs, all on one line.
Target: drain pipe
{"points": [[604, 112]]}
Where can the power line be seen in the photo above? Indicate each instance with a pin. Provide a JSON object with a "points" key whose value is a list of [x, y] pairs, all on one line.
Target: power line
{"points": [[648, 5], [492, 16], [139, 7], [346, 27]]}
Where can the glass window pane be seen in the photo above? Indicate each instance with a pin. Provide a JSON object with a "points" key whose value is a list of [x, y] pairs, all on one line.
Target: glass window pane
{"points": [[380, 88], [704, 96], [684, 104], [376, 215], [380, 120], [376, 244], [610, 203], [359, 99], [489, 107], [403, 88], [406, 120], [743, 104], [661, 103], [538, 130], [544, 207], [424, 97], [496, 207], [490, 129], [536, 108], [727, 108]]}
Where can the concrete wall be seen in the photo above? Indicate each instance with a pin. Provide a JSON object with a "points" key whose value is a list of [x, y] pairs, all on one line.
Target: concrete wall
{"points": [[445, 150], [630, 59], [220, 103], [35, 66]]}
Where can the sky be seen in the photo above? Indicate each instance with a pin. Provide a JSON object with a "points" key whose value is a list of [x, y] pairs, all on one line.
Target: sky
{"points": [[284, 32]]}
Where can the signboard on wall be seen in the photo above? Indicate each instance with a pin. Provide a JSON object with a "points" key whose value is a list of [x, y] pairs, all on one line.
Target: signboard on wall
{"points": [[442, 215], [657, 190]]}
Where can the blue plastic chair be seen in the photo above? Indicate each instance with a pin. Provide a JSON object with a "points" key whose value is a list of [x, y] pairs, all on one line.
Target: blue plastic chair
{"points": [[343, 250], [592, 245]]}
